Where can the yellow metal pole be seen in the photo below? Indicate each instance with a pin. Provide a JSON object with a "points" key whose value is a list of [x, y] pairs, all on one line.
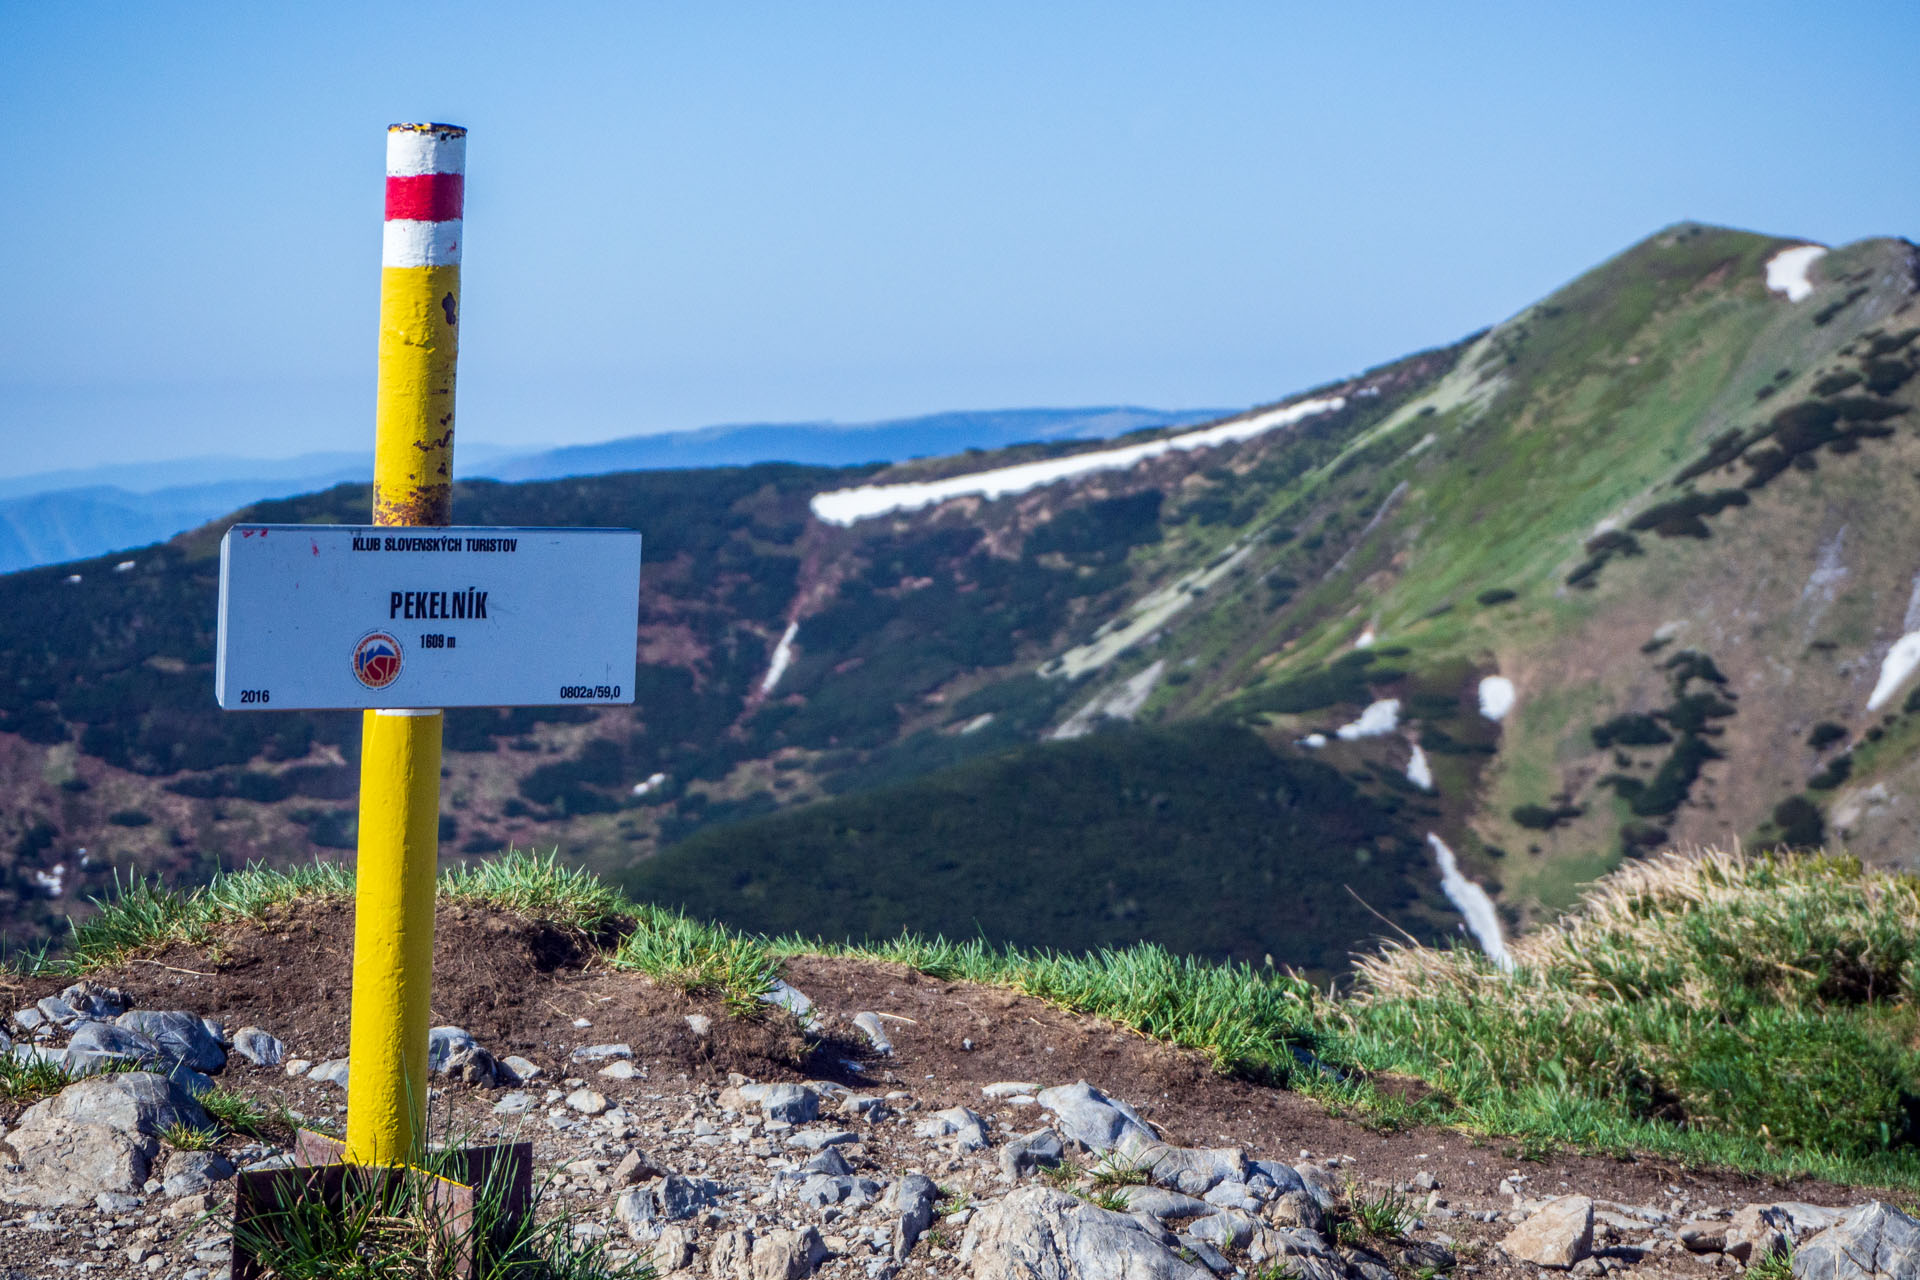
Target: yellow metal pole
{"points": [[400, 750]]}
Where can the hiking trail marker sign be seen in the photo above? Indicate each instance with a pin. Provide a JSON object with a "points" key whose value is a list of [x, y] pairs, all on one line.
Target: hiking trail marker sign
{"points": [[329, 617]]}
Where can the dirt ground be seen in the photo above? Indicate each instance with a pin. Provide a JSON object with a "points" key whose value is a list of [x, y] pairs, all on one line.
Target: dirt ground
{"points": [[518, 988]]}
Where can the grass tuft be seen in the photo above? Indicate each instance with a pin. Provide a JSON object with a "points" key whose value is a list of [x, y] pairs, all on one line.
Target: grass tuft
{"points": [[698, 957], [540, 887], [182, 1136]]}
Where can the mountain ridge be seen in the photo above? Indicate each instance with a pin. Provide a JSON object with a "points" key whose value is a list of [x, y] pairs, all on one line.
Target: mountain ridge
{"points": [[1664, 508]]}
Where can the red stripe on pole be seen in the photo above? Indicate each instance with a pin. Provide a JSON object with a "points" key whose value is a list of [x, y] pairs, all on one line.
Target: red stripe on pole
{"points": [[430, 197]]}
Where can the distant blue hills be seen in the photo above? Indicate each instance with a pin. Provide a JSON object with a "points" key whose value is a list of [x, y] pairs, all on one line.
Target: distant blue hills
{"points": [[76, 514]]}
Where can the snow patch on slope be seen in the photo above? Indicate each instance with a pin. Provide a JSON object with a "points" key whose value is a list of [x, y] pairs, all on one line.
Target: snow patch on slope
{"points": [[1900, 663], [845, 506], [1122, 702], [1419, 772], [1473, 904], [1496, 697], [782, 658], [1380, 718], [1787, 270]]}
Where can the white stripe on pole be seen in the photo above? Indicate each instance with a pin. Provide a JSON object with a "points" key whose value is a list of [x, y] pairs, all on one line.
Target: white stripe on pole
{"points": [[406, 243], [411, 153]]}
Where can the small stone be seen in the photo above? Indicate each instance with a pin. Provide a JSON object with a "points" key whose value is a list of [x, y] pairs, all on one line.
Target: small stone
{"points": [[620, 1070], [1008, 1089], [786, 997], [58, 1011], [587, 1102], [191, 1172], [700, 1024], [1872, 1242], [95, 999], [829, 1162], [634, 1167], [115, 1202], [297, 1066], [966, 1128], [1558, 1234], [515, 1104], [673, 1251], [29, 1019], [912, 1204], [1041, 1149], [1425, 1181], [443, 1043], [1299, 1209], [786, 1254], [792, 1103], [869, 1025], [257, 1047], [1704, 1237], [189, 1206], [332, 1071], [601, 1052], [523, 1070], [816, 1139], [730, 1255]]}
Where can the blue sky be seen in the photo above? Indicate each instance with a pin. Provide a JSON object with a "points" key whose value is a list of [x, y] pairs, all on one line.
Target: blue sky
{"points": [[690, 214]]}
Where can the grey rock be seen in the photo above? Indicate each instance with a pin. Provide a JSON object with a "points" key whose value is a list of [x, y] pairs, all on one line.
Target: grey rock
{"points": [[1423, 1255], [58, 1011], [217, 1031], [114, 1202], [786, 1254], [790, 1103], [1283, 1176], [912, 1205], [332, 1071], [820, 1190], [1228, 1229], [443, 1043], [1558, 1234], [966, 1128], [730, 1256], [1161, 1204], [190, 1080], [821, 1139], [97, 1046], [1367, 1265], [1232, 1195], [1194, 1170], [191, 1172], [99, 1134], [635, 1167], [1320, 1183], [785, 997], [1872, 1242], [1041, 1149], [1090, 1117], [180, 1035], [95, 999], [673, 1251], [1758, 1230], [864, 1106], [1211, 1258], [1038, 1232], [587, 1102], [869, 1025], [258, 1047], [829, 1162], [598, 1052], [682, 1197], [29, 1018], [28, 1054], [515, 1104], [522, 1069], [1704, 1237], [1299, 1209], [638, 1210], [700, 1024], [474, 1065], [1425, 1181]]}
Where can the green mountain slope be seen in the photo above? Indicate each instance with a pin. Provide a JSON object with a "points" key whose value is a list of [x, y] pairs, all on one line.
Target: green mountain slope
{"points": [[1667, 509]]}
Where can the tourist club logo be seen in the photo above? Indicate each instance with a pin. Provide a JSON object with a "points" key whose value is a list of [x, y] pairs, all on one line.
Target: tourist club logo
{"points": [[376, 660]]}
